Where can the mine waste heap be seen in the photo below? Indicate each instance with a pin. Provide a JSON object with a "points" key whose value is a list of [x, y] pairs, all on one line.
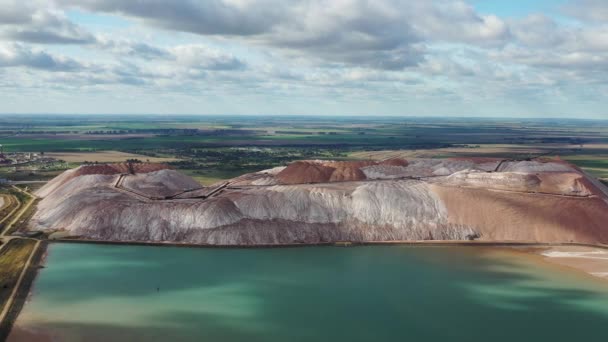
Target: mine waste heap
{"points": [[313, 201]]}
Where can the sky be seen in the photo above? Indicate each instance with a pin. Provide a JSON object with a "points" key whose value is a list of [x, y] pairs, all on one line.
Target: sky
{"points": [[475, 58]]}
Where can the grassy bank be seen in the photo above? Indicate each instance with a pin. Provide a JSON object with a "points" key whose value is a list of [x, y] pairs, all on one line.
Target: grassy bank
{"points": [[11, 204], [19, 218], [13, 258], [22, 221], [14, 204]]}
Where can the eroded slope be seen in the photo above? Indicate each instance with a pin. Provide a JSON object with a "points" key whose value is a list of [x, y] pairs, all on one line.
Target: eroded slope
{"points": [[323, 201]]}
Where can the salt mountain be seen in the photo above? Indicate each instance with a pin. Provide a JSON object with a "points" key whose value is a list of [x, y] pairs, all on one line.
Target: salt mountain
{"points": [[325, 201]]}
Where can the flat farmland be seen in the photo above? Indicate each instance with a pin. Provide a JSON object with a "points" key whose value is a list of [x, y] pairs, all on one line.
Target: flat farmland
{"points": [[105, 157], [594, 164], [484, 150], [213, 148]]}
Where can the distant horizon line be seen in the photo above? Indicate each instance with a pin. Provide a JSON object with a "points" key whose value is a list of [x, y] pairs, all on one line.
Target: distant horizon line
{"points": [[312, 115]]}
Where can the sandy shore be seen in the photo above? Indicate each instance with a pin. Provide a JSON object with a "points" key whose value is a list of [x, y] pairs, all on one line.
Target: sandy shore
{"points": [[593, 261], [19, 334]]}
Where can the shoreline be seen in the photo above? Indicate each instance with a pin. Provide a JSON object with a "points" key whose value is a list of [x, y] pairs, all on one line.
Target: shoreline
{"points": [[334, 244], [23, 291], [589, 260]]}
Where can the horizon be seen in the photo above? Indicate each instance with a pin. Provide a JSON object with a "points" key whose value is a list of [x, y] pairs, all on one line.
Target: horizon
{"points": [[320, 116], [441, 58]]}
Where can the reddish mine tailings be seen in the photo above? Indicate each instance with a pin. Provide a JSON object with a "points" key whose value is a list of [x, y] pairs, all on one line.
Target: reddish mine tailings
{"points": [[330, 171], [311, 202]]}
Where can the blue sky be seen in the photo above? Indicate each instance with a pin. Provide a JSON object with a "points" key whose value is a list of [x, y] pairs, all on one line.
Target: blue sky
{"points": [[517, 8], [483, 58], [97, 20]]}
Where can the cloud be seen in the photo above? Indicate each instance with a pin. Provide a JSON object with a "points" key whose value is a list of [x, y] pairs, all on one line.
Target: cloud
{"points": [[541, 42], [35, 22], [372, 34], [315, 49], [14, 12], [351, 32], [538, 30], [18, 55], [227, 17], [201, 57], [382, 34], [588, 10], [541, 32], [193, 56], [456, 22], [130, 48]]}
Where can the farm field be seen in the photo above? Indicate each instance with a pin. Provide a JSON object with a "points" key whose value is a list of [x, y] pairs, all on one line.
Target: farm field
{"points": [[105, 157], [213, 148], [596, 165]]}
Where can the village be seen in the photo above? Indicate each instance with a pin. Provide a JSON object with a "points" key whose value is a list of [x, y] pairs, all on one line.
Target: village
{"points": [[27, 166]]}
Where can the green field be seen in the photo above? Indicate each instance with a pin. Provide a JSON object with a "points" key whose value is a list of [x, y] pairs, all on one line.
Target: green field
{"points": [[212, 148]]}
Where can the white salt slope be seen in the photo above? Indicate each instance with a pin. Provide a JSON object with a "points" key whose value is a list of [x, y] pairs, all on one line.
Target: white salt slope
{"points": [[55, 183], [533, 166], [255, 209], [90, 206], [160, 183], [425, 168], [503, 180]]}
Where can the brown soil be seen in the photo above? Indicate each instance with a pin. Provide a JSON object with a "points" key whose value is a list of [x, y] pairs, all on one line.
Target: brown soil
{"points": [[503, 216], [566, 182], [348, 171], [305, 172], [331, 171], [23, 335]]}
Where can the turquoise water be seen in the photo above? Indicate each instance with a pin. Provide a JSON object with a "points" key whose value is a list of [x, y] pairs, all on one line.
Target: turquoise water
{"points": [[133, 293]]}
